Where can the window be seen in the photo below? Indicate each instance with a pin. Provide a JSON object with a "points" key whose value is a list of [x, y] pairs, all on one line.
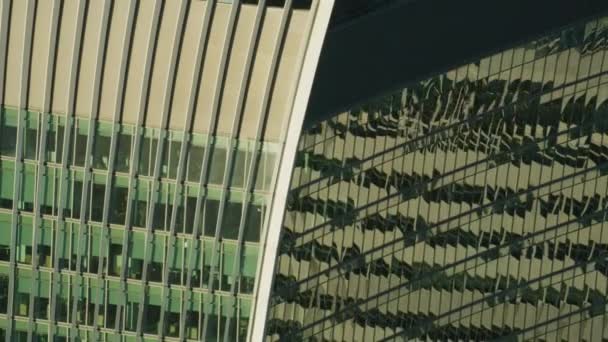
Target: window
{"points": [[62, 308], [41, 307], [118, 200], [23, 281], [217, 166], [115, 256], [5, 250], [172, 324], [31, 136], [265, 170], [140, 204], [147, 152], [74, 192], [101, 146], [193, 319], [211, 209], [49, 190], [7, 171], [110, 315], [240, 167], [196, 152], [212, 328], [54, 139], [4, 290], [29, 188], [163, 207], [157, 253], [123, 149], [8, 132], [253, 223], [186, 212], [151, 319], [232, 220], [97, 196], [131, 312], [136, 254], [171, 151], [248, 268], [80, 142], [24, 241], [228, 260]]}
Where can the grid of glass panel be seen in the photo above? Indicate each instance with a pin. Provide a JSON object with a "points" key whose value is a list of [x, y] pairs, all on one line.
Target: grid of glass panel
{"points": [[84, 268], [469, 206]]}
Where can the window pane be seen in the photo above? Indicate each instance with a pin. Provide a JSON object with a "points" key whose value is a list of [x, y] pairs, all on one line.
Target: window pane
{"points": [[101, 148], [239, 168], [118, 201], [189, 212], [97, 193], [136, 255], [115, 257], [148, 152], [232, 219], [54, 139], [29, 188], [218, 163], [49, 188], [141, 204], [80, 142], [194, 158], [3, 292], [123, 150], [23, 289], [253, 223], [171, 157], [211, 208], [74, 196], [8, 132], [7, 172], [265, 171], [31, 136]]}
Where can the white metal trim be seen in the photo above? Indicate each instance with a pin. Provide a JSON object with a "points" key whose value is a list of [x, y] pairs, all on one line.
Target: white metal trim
{"points": [[307, 74]]}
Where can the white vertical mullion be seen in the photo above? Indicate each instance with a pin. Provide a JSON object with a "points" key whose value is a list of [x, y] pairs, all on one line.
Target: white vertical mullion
{"points": [[234, 10], [87, 181], [257, 147], [31, 6], [77, 39], [270, 244], [135, 153], [180, 168], [177, 41], [120, 91]]}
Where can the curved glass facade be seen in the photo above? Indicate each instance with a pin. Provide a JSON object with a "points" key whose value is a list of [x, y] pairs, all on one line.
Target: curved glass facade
{"points": [[469, 206]]}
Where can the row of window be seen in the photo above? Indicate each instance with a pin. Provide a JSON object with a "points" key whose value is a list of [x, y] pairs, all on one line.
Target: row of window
{"points": [[120, 310], [49, 191], [195, 151], [64, 247]]}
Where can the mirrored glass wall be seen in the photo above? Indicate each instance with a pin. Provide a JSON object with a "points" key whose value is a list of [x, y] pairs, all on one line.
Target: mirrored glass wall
{"points": [[472, 205]]}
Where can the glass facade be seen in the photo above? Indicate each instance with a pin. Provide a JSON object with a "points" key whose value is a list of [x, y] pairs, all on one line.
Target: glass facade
{"points": [[469, 206], [140, 143], [98, 245]]}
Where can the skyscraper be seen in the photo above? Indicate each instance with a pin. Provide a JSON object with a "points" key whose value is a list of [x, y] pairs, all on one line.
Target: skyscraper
{"points": [[182, 170], [469, 205], [139, 147]]}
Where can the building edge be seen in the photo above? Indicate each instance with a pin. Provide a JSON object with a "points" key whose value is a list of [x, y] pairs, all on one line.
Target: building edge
{"points": [[267, 262]]}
